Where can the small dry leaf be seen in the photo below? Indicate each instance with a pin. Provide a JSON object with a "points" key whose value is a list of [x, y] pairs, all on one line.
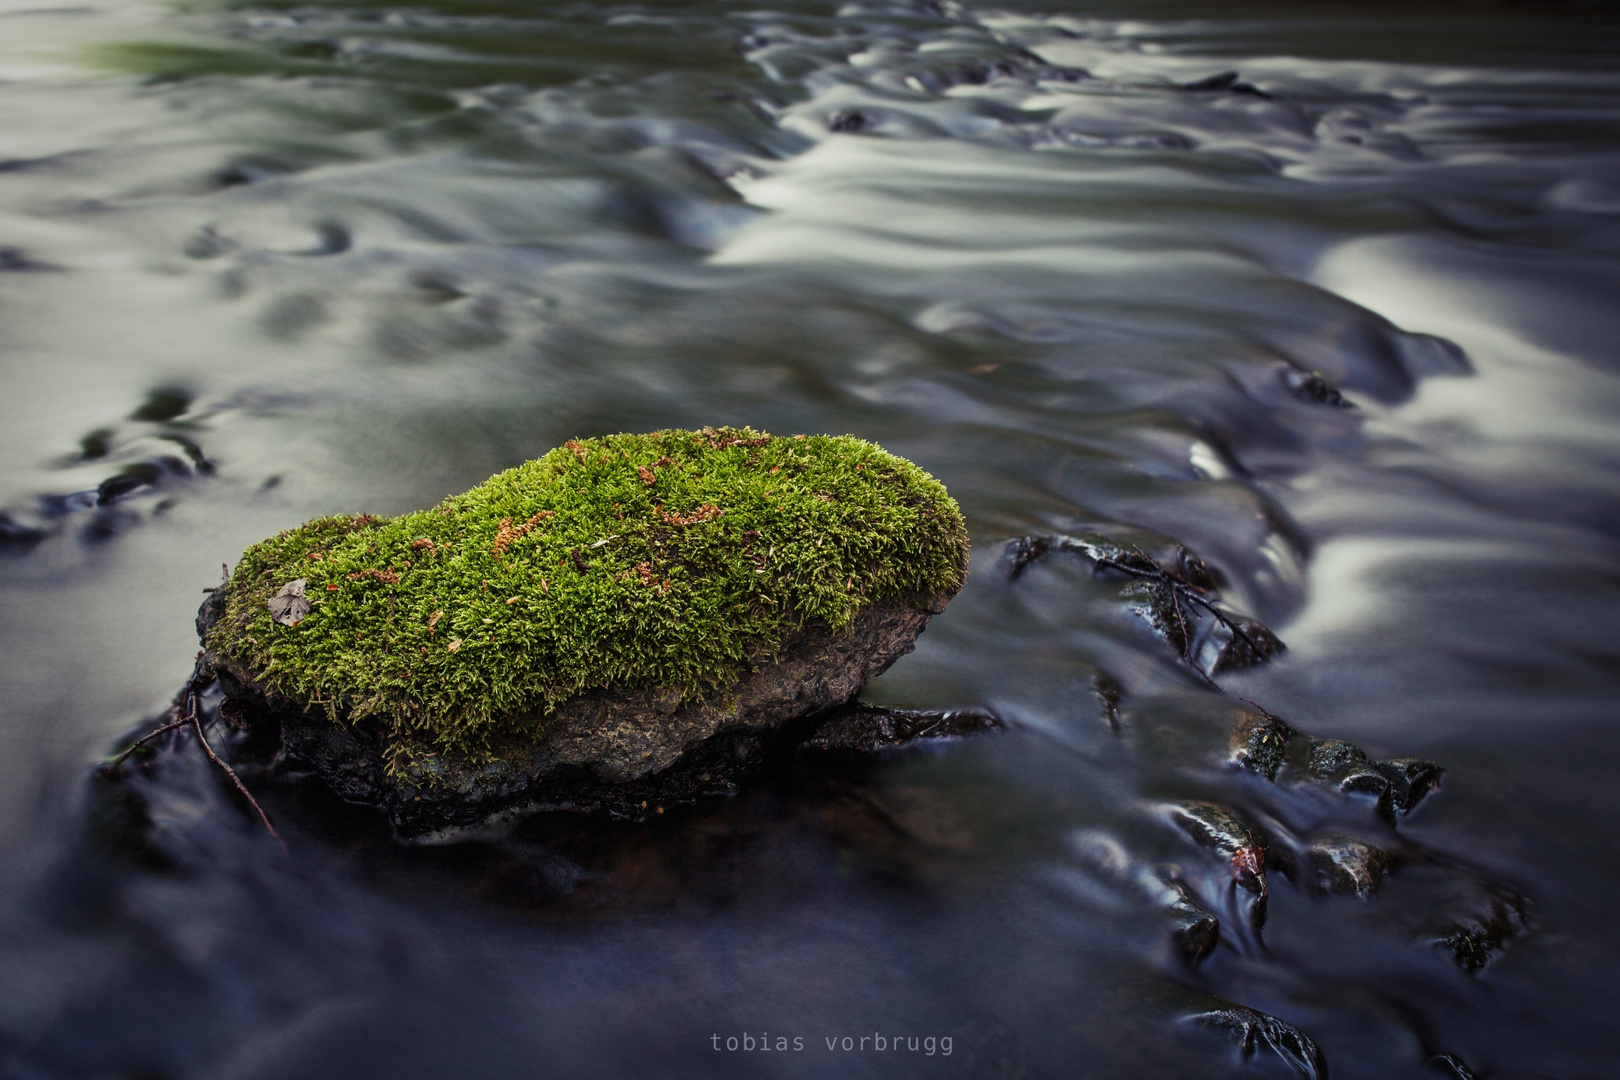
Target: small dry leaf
{"points": [[455, 643], [706, 512], [288, 607]]}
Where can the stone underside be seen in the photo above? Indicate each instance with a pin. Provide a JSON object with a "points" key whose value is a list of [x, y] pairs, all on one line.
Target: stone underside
{"points": [[626, 752]]}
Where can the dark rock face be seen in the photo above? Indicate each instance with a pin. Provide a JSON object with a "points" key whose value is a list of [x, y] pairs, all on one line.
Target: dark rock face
{"points": [[865, 729], [1260, 743], [1194, 929], [1221, 832], [1252, 1030], [627, 752], [1267, 746], [1175, 593], [1346, 866]]}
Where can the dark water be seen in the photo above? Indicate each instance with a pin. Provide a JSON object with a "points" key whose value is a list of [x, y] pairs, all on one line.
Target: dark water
{"points": [[262, 263]]}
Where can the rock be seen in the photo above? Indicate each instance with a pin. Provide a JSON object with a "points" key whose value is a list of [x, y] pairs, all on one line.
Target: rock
{"points": [[1260, 743], [665, 601], [1313, 389], [1409, 781], [1253, 1030], [1194, 929], [867, 728], [1346, 866], [1449, 1067], [1243, 643], [18, 535], [926, 815], [849, 122], [1175, 595], [1345, 767], [1479, 924], [1109, 694], [1396, 785], [1227, 81], [1264, 744], [1217, 829]]}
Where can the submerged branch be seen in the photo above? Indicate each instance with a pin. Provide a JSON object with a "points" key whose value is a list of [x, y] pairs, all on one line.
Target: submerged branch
{"points": [[186, 705], [1258, 643]]}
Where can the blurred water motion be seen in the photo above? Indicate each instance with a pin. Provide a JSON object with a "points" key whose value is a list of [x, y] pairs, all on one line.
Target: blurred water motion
{"points": [[1322, 295]]}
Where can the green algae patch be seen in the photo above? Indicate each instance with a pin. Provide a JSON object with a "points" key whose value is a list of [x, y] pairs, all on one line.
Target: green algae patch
{"points": [[678, 559]]}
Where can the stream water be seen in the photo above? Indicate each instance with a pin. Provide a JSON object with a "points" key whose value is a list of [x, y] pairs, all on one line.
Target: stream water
{"points": [[1336, 323]]}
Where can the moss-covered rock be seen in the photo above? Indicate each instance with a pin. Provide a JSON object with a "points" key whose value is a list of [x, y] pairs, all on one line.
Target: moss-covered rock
{"points": [[604, 608]]}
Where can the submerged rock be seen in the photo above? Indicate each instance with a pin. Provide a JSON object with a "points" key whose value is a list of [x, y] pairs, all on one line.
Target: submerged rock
{"points": [[867, 728], [1480, 922], [1176, 595], [1264, 744], [1219, 830], [1252, 1030], [1396, 785], [1194, 929], [610, 625], [1347, 866]]}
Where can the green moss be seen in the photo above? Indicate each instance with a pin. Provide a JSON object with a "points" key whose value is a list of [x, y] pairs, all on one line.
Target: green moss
{"points": [[672, 559]]}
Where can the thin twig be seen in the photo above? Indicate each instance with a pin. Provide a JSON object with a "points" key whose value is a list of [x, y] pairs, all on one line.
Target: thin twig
{"points": [[1181, 621], [187, 706], [1180, 590], [119, 760], [196, 723], [1228, 622], [1183, 590], [177, 709]]}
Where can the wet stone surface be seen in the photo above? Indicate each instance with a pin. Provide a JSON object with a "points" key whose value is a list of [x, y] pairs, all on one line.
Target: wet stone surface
{"points": [[817, 670], [1347, 866], [1267, 746], [154, 457], [1175, 594], [1252, 1031], [867, 728], [1221, 832], [1194, 929], [1260, 743], [1480, 922]]}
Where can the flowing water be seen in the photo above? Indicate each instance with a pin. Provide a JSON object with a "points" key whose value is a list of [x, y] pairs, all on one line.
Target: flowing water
{"points": [[1342, 324]]}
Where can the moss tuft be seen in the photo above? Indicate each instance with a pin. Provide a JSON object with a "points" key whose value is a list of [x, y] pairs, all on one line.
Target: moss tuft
{"points": [[675, 559]]}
